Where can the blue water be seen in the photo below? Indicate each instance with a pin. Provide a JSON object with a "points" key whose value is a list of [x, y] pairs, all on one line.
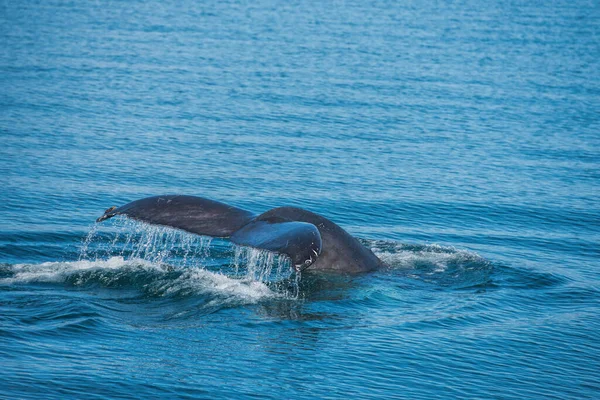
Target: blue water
{"points": [[459, 141]]}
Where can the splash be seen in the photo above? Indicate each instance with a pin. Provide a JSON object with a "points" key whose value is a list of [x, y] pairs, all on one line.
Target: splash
{"points": [[156, 244], [260, 265], [85, 244], [136, 243]]}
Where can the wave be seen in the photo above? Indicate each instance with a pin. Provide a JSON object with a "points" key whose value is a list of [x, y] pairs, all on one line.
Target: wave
{"points": [[167, 263], [433, 263], [151, 279]]}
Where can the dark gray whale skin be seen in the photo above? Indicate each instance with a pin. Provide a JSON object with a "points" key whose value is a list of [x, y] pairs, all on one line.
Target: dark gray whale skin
{"points": [[311, 241], [340, 253]]}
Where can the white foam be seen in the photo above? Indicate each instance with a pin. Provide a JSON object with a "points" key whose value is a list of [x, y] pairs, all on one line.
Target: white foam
{"points": [[157, 279], [59, 271], [439, 257], [201, 281]]}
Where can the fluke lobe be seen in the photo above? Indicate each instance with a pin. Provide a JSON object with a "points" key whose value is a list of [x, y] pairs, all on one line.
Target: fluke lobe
{"points": [[310, 240]]}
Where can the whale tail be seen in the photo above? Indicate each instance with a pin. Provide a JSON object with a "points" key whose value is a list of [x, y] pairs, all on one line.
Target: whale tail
{"points": [[300, 241]]}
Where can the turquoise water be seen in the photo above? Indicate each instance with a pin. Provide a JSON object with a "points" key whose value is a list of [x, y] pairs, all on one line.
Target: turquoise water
{"points": [[459, 141]]}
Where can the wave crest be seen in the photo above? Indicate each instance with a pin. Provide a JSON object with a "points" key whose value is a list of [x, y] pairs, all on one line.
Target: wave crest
{"points": [[152, 279], [442, 265]]}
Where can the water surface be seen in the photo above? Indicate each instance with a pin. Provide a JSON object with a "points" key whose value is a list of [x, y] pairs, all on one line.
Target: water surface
{"points": [[458, 141]]}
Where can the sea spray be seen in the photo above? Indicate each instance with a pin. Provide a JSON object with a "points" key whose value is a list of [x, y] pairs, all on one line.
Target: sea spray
{"points": [[85, 244], [260, 265], [133, 241]]}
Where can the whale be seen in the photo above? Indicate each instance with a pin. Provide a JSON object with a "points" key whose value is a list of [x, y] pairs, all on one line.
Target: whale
{"points": [[311, 241]]}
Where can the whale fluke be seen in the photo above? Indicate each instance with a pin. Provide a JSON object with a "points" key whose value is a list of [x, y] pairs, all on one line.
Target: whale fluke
{"points": [[189, 213], [308, 239], [300, 241]]}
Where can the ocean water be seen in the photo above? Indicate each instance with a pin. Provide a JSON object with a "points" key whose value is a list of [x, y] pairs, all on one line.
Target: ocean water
{"points": [[458, 140]]}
